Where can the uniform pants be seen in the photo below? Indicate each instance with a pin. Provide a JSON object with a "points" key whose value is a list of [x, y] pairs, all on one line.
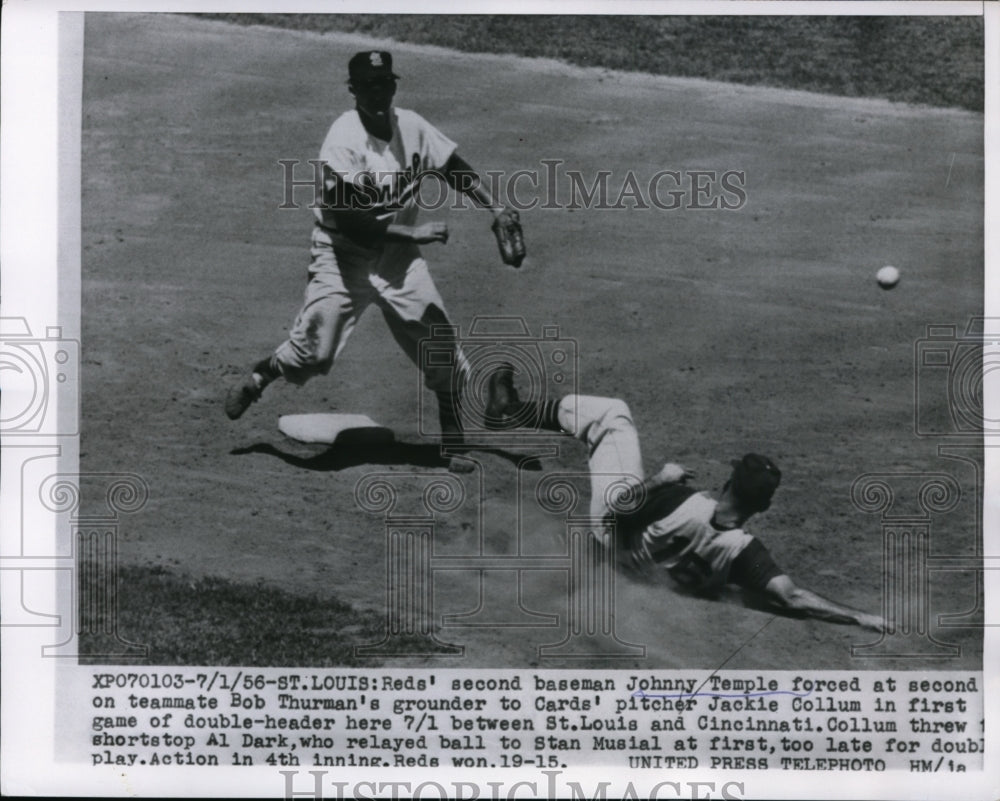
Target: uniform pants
{"points": [[614, 458], [343, 282]]}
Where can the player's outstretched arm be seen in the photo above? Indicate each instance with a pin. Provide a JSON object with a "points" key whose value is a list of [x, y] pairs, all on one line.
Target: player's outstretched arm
{"points": [[462, 177], [506, 222], [787, 595]]}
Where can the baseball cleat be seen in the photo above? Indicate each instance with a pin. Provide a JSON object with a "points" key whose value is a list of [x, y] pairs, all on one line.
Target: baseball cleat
{"points": [[456, 464], [501, 398], [241, 395]]}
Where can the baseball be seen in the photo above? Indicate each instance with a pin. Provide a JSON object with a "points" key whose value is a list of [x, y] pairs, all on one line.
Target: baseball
{"points": [[887, 277]]}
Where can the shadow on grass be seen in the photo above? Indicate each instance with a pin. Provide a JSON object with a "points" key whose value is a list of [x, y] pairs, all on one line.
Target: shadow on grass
{"points": [[212, 621], [379, 453]]}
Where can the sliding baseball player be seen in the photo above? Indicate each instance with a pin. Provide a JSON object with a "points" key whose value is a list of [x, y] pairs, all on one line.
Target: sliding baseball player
{"points": [[695, 540]]}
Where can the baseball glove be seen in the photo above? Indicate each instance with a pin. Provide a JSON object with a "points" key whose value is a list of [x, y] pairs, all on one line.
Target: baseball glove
{"points": [[510, 237]]}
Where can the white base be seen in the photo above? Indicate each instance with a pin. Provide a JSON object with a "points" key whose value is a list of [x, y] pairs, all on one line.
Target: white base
{"points": [[333, 429]]}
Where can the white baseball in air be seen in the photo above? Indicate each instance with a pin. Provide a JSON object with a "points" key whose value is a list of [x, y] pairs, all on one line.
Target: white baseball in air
{"points": [[887, 277]]}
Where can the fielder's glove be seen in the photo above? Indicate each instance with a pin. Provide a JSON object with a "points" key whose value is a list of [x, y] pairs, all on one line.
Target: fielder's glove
{"points": [[510, 237]]}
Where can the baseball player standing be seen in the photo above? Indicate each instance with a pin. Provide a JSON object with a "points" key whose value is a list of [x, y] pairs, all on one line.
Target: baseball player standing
{"points": [[365, 244], [695, 539]]}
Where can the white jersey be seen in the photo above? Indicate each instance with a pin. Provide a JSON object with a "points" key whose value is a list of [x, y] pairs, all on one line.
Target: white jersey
{"points": [[387, 174]]}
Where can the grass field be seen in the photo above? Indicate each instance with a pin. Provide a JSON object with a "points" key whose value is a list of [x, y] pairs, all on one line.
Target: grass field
{"points": [[932, 60], [212, 621]]}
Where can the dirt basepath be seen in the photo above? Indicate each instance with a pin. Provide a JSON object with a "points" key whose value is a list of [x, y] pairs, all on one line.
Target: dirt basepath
{"points": [[726, 331]]}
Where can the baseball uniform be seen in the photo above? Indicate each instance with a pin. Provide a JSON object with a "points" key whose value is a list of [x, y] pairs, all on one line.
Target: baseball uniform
{"points": [[345, 277], [663, 527], [365, 247], [671, 533]]}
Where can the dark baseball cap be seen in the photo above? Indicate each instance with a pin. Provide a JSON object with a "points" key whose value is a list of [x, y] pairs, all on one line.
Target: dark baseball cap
{"points": [[370, 64], [754, 480]]}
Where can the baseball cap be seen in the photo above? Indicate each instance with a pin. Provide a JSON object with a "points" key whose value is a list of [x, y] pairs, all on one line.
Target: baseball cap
{"points": [[370, 64], [754, 480]]}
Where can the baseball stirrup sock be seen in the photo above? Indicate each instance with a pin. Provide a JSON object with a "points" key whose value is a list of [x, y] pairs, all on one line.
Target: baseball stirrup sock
{"points": [[451, 424], [267, 369], [543, 414]]}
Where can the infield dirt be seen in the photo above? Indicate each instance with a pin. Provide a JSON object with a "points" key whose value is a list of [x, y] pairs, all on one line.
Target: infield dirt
{"points": [[760, 328]]}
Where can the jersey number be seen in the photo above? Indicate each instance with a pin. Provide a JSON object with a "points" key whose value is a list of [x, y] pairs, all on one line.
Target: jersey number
{"points": [[690, 570]]}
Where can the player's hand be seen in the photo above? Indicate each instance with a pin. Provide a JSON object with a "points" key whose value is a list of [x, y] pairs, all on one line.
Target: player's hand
{"points": [[872, 622], [426, 233], [672, 473]]}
